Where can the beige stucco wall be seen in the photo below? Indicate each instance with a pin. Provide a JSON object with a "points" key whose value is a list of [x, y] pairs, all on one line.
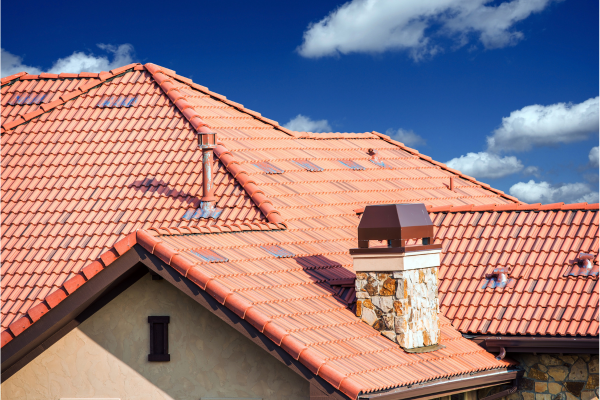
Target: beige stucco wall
{"points": [[106, 356]]}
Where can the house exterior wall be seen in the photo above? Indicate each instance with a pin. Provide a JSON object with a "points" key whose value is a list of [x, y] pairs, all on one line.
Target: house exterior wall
{"points": [[106, 356], [554, 377]]}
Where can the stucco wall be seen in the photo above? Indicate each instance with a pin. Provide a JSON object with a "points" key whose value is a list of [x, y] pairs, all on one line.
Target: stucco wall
{"points": [[106, 356], [554, 377]]}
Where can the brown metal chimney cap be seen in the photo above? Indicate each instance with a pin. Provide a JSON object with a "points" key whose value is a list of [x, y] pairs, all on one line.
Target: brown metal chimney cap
{"points": [[395, 222]]}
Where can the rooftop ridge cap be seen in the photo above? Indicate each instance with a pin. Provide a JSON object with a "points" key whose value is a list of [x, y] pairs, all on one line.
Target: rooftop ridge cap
{"points": [[223, 99], [13, 77], [44, 108], [444, 166], [200, 230], [247, 183], [177, 98], [335, 135], [512, 207]]}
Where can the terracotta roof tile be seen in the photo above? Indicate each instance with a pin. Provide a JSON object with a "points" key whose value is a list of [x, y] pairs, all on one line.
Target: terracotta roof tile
{"points": [[81, 179], [539, 264]]}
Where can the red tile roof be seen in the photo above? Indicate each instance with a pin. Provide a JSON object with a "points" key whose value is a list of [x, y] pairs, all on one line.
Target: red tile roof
{"points": [[82, 184], [538, 244]]}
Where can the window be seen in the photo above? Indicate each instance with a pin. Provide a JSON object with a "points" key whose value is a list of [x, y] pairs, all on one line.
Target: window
{"points": [[159, 339]]}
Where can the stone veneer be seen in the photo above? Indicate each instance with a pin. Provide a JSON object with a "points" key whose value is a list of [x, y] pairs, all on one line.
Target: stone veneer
{"points": [[554, 377], [402, 305]]}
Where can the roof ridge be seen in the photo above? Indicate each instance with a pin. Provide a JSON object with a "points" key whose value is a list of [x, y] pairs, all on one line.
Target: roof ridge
{"points": [[222, 98], [241, 227], [12, 77], [44, 108], [443, 166], [335, 135], [514, 207], [194, 118]]}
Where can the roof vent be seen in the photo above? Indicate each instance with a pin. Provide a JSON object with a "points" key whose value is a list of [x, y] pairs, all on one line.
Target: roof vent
{"points": [[207, 141], [209, 255], [268, 167], [117, 101], [585, 260], [352, 165], [277, 251], [27, 98], [307, 165], [397, 285], [498, 278], [583, 266], [375, 158]]}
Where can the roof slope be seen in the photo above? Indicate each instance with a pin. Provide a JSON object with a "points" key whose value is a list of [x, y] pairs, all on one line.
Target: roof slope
{"points": [[544, 294], [78, 178]]}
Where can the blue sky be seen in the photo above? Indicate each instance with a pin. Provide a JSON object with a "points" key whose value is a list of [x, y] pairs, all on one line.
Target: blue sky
{"points": [[440, 75]]}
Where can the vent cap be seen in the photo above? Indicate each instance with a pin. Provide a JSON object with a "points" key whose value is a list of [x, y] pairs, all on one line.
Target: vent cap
{"points": [[395, 223]]}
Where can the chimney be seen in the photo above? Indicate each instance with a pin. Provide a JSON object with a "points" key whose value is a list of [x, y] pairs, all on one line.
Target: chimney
{"points": [[397, 284], [207, 141]]}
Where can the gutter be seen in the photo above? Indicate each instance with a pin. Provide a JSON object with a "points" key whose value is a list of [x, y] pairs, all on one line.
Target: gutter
{"points": [[447, 386], [537, 344]]}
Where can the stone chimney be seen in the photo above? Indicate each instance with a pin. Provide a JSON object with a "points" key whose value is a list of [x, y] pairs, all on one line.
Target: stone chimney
{"points": [[396, 283]]}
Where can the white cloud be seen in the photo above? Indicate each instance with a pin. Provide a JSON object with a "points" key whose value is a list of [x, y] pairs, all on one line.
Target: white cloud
{"points": [[409, 138], [304, 124], [11, 64], [543, 192], [375, 26], [539, 125], [531, 170], [486, 165], [75, 63], [593, 156]]}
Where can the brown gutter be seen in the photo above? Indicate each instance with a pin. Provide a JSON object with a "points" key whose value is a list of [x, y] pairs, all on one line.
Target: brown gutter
{"points": [[536, 344], [447, 386]]}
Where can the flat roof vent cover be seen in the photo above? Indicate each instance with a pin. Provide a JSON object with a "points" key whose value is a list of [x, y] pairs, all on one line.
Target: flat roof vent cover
{"points": [[268, 167], [117, 101], [209, 255], [277, 251], [307, 165], [27, 98], [352, 165]]}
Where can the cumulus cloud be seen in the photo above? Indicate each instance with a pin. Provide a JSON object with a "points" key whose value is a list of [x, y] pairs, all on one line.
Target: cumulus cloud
{"points": [[539, 125], [532, 170], [75, 63], [593, 156], [11, 64], [544, 192], [375, 26], [486, 165], [303, 123], [409, 138]]}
